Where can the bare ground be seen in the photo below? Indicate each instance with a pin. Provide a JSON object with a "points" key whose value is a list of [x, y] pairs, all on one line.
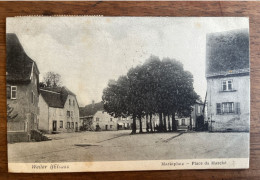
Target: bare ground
{"points": [[121, 146]]}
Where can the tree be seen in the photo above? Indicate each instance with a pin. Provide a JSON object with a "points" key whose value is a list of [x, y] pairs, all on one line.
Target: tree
{"points": [[51, 79], [158, 87]]}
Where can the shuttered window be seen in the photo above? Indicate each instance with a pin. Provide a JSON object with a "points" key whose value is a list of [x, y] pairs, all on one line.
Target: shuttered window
{"points": [[228, 107]]}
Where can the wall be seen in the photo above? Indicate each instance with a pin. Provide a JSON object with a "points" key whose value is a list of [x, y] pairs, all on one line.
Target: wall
{"points": [[22, 104], [232, 121], [43, 115]]}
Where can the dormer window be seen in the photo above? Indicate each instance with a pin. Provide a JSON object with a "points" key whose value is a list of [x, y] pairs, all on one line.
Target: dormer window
{"points": [[227, 85]]}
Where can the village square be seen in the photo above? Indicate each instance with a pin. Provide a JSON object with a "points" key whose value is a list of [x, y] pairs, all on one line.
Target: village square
{"points": [[152, 112]]}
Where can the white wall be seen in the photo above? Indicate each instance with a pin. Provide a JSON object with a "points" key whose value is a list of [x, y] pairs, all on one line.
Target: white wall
{"points": [[236, 122]]}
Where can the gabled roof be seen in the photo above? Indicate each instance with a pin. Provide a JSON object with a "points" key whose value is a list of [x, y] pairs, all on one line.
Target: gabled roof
{"points": [[91, 109], [227, 52], [56, 97], [19, 65]]}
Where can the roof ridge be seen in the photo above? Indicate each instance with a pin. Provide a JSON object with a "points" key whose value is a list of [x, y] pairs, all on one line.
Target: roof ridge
{"points": [[49, 91]]}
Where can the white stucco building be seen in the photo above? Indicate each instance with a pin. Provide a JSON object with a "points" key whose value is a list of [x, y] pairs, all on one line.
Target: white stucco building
{"points": [[59, 110]]}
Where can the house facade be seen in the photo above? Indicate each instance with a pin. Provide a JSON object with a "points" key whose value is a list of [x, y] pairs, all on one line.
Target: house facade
{"points": [[22, 91], [228, 81], [59, 110], [93, 117], [192, 122]]}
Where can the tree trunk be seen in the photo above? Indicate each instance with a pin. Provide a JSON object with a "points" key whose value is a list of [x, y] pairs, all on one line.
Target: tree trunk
{"points": [[190, 123], [160, 122], [174, 125], [134, 125], [164, 122], [169, 123], [147, 123], [141, 127], [151, 126]]}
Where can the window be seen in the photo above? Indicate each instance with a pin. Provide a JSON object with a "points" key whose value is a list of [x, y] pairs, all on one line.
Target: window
{"points": [[13, 92], [72, 125], [61, 124], [183, 122], [71, 113], [97, 119], [111, 119], [111, 126], [227, 85], [69, 101], [32, 97], [68, 113], [228, 107], [68, 125]]}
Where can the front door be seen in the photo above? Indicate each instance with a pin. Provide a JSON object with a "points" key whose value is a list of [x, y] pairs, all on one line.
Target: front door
{"points": [[54, 126], [106, 127]]}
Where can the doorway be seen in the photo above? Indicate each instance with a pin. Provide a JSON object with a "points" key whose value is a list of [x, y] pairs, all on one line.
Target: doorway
{"points": [[54, 125]]}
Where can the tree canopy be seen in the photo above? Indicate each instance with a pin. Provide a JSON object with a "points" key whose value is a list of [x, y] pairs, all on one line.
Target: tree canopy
{"points": [[51, 79], [157, 87]]}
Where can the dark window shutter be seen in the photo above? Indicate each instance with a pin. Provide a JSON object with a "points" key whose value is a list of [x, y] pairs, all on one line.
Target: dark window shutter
{"points": [[218, 108], [8, 92], [237, 108]]}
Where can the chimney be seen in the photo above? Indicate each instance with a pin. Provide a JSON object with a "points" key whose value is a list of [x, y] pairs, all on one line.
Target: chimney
{"points": [[93, 103]]}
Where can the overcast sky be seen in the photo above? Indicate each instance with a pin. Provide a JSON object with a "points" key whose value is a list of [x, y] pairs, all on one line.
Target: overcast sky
{"points": [[88, 51]]}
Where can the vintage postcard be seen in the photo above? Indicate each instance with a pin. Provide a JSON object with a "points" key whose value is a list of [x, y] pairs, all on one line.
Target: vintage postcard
{"points": [[95, 93]]}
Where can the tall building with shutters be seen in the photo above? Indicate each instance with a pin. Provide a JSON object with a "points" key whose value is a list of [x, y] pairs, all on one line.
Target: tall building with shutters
{"points": [[228, 81], [22, 85]]}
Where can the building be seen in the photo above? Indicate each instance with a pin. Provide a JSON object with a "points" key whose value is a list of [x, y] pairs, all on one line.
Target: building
{"points": [[192, 122], [228, 81], [59, 110], [93, 117], [124, 123], [22, 91]]}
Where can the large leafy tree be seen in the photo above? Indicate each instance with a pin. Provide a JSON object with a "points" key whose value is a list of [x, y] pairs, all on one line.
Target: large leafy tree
{"points": [[158, 87]]}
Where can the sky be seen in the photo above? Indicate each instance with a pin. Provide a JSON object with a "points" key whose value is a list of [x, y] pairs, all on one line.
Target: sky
{"points": [[88, 51]]}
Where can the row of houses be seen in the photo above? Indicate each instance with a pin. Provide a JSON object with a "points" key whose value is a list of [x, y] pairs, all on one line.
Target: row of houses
{"points": [[93, 117]]}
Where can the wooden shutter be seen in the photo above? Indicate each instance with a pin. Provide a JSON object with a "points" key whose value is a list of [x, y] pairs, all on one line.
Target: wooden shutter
{"points": [[237, 107], [218, 108], [8, 92]]}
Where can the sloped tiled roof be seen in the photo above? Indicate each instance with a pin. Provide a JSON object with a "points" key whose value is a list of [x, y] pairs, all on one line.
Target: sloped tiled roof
{"points": [[56, 97], [18, 63], [91, 109], [227, 52]]}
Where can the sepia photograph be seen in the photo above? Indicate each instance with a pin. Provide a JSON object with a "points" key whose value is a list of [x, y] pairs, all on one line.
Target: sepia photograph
{"points": [[94, 93]]}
